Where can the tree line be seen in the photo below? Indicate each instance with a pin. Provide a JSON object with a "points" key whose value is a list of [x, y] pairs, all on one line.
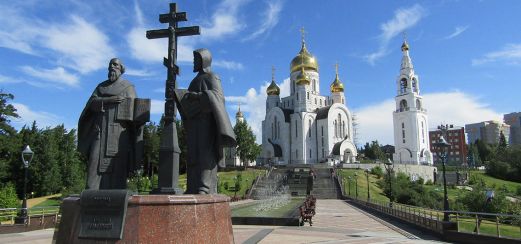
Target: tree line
{"points": [[57, 167]]}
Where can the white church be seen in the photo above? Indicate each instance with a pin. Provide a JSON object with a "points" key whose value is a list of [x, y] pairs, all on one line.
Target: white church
{"points": [[411, 136], [307, 127]]}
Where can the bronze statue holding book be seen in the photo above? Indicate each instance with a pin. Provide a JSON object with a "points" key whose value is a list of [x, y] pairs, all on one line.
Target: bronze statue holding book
{"points": [[110, 130]]}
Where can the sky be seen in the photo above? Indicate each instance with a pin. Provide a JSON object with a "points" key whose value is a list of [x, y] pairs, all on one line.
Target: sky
{"points": [[467, 54]]}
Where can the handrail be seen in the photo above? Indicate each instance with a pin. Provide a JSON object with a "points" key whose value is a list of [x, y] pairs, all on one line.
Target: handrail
{"points": [[499, 225]]}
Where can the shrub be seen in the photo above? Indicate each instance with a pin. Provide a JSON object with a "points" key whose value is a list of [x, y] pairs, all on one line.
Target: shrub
{"points": [[377, 171], [8, 197]]}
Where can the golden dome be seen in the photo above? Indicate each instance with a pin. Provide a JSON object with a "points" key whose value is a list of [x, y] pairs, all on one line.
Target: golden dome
{"points": [[405, 46], [337, 85], [239, 113], [273, 89], [304, 59], [302, 78]]}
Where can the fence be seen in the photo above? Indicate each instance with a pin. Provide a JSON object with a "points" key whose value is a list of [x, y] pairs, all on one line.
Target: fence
{"points": [[8, 215]]}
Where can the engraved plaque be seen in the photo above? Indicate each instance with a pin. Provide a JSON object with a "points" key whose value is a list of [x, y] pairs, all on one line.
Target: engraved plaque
{"points": [[102, 214]]}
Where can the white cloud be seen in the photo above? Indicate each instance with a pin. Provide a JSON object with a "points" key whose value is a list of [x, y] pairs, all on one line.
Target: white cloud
{"points": [[404, 18], [27, 116], [74, 42], [138, 72], [376, 121], [82, 46], [269, 18], [457, 32], [231, 65], [157, 107], [7, 80], [58, 76], [253, 105], [510, 54], [225, 20], [153, 50]]}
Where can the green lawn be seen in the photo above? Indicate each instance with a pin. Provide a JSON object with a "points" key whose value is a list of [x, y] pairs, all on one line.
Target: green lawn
{"points": [[496, 183], [48, 202], [488, 228], [374, 190]]}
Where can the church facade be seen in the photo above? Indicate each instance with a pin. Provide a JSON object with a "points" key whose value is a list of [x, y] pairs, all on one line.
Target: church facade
{"points": [[307, 127], [410, 120]]}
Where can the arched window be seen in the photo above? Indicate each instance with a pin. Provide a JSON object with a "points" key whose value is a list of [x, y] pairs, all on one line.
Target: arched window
{"points": [[403, 85], [403, 132], [278, 129], [414, 85], [272, 131], [418, 104], [403, 105], [339, 123], [343, 129], [314, 85], [315, 101], [307, 94], [334, 125]]}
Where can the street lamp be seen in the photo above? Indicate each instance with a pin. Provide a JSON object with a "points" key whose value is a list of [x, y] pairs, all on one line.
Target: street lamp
{"points": [[27, 156], [349, 184], [442, 147], [367, 176], [356, 185], [389, 166]]}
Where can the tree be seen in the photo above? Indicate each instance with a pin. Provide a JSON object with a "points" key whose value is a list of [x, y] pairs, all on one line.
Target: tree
{"points": [[247, 149], [7, 111]]}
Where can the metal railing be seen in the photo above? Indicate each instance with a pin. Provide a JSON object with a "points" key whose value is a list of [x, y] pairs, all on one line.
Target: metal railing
{"points": [[8, 215], [490, 224]]}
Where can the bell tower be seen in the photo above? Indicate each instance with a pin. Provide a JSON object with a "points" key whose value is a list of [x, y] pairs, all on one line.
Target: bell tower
{"points": [[411, 137]]}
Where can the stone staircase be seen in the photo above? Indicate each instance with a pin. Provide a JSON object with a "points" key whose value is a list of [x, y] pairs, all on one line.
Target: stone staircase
{"points": [[324, 186]]}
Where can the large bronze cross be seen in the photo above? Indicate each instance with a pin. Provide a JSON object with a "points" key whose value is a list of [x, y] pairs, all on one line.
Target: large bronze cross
{"points": [[169, 151]]}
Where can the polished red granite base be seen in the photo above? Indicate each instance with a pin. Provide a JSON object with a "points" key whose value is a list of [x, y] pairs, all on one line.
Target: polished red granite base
{"points": [[161, 219]]}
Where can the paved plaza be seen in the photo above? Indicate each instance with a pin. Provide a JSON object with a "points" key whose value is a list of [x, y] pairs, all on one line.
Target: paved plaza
{"points": [[336, 221]]}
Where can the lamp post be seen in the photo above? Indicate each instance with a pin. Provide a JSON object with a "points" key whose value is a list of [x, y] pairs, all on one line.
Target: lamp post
{"points": [[442, 146], [356, 185], [349, 184], [389, 166], [367, 176], [27, 156]]}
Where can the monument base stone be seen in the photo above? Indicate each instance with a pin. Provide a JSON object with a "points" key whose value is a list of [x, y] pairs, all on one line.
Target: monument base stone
{"points": [[159, 219]]}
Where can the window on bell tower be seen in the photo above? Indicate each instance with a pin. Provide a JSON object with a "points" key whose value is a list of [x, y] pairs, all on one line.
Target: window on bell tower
{"points": [[403, 85]]}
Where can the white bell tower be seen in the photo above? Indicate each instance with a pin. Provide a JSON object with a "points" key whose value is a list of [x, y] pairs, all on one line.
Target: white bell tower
{"points": [[411, 137]]}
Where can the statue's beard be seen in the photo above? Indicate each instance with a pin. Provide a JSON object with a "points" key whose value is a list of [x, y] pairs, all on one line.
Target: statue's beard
{"points": [[114, 74]]}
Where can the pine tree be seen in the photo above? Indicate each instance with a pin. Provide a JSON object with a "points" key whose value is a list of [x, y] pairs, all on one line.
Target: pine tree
{"points": [[247, 149]]}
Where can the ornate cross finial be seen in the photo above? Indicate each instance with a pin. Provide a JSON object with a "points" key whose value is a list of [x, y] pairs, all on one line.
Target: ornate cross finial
{"points": [[336, 68], [404, 34], [273, 73], [303, 34], [239, 106]]}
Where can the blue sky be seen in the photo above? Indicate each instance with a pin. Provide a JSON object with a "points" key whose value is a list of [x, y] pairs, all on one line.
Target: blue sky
{"points": [[467, 54]]}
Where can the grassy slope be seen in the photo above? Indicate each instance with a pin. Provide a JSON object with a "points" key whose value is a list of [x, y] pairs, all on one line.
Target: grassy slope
{"points": [[374, 190], [496, 183]]}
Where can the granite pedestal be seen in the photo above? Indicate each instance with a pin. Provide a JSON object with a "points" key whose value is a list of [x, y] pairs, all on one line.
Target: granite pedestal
{"points": [[160, 219]]}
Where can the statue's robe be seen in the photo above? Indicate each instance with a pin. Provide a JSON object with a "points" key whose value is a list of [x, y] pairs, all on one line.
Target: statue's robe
{"points": [[208, 130], [110, 145]]}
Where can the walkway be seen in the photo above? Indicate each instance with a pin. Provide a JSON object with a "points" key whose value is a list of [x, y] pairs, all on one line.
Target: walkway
{"points": [[335, 222]]}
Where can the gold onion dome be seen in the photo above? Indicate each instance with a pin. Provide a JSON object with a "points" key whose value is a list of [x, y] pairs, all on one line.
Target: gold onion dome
{"points": [[337, 85], [304, 59], [273, 89], [302, 78], [239, 113], [405, 46]]}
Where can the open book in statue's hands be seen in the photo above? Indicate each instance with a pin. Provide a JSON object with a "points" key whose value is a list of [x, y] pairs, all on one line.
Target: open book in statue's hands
{"points": [[188, 103]]}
